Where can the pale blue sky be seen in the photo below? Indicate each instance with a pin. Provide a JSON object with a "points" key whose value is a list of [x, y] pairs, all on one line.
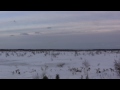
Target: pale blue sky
{"points": [[59, 29]]}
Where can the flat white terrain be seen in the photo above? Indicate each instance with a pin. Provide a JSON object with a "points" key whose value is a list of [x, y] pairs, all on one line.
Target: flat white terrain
{"points": [[68, 64]]}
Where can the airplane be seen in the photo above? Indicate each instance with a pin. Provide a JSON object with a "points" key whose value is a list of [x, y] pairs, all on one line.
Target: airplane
{"points": [[14, 21]]}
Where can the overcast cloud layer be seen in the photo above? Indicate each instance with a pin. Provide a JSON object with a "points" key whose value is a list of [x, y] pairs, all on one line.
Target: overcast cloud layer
{"points": [[59, 30]]}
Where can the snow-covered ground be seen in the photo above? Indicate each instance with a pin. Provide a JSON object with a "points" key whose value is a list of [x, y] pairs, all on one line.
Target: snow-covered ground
{"points": [[68, 64]]}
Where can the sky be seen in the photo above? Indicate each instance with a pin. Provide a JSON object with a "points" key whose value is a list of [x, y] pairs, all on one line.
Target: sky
{"points": [[59, 29]]}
